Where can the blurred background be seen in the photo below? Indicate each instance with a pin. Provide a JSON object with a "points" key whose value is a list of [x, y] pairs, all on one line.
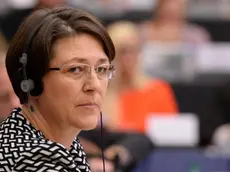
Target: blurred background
{"points": [[172, 75]]}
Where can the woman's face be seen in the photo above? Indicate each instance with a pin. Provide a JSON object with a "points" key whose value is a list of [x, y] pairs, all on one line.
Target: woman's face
{"points": [[52, 3], [68, 99], [127, 58], [172, 10]]}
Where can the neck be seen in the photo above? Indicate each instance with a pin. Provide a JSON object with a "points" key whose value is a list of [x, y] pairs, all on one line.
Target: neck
{"points": [[133, 83], [52, 130], [123, 83], [128, 84]]}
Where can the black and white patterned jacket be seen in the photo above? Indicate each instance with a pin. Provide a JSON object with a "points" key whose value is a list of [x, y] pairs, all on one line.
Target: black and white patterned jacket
{"points": [[25, 149]]}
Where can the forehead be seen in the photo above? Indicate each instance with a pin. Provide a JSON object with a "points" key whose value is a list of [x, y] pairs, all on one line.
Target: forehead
{"points": [[78, 47], [178, 3]]}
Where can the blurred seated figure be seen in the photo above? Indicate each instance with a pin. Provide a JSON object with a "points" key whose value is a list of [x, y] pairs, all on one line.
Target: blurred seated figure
{"points": [[8, 99], [132, 95], [220, 142], [170, 25], [221, 136], [123, 151], [13, 19]]}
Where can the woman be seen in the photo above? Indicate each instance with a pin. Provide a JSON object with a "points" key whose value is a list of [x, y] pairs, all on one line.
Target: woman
{"points": [[132, 95], [169, 25], [59, 67]]}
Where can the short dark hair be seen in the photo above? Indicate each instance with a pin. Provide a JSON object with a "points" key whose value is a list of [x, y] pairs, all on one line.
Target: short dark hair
{"points": [[57, 23]]}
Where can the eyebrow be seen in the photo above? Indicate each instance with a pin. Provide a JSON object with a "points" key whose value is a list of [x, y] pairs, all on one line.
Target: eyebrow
{"points": [[84, 60]]}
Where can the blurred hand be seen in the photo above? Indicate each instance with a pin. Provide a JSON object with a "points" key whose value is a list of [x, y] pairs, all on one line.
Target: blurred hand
{"points": [[89, 146], [96, 165], [119, 150]]}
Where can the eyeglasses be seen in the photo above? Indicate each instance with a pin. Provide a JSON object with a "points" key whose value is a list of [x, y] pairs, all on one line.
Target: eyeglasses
{"points": [[77, 70]]}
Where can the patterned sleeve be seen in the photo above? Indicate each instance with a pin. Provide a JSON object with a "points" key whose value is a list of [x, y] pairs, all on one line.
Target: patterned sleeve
{"points": [[27, 165], [43, 158]]}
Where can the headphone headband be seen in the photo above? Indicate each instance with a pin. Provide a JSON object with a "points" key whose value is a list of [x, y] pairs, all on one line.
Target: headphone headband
{"points": [[34, 32], [28, 84]]}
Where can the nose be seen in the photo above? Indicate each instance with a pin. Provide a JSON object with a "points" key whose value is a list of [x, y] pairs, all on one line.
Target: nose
{"points": [[91, 83]]}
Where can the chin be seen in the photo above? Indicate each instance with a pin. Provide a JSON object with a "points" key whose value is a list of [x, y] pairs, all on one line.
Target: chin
{"points": [[87, 122], [89, 126]]}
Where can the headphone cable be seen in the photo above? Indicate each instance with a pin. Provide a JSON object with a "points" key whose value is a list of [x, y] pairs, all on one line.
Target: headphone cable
{"points": [[102, 143]]}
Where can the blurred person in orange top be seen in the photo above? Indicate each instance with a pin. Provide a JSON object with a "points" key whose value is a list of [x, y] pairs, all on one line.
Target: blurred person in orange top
{"points": [[169, 24], [8, 99], [132, 95]]}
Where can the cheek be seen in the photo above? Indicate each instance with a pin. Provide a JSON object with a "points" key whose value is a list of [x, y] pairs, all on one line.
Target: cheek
{"points": [[104, 85], [62, 91]]}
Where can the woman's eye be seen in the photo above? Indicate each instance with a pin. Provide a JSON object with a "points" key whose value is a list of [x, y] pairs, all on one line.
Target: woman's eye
{"points": [[76, 69], [101, 69]]}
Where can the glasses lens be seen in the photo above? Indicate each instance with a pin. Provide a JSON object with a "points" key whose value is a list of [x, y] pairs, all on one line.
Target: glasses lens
{"points": [[104, 71], [77, 70]]}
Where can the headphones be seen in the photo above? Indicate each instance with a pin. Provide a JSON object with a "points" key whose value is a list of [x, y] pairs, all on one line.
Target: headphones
{"points": [[27, 85]]}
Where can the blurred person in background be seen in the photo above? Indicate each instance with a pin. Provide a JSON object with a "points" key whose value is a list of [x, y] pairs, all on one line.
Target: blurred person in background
{"points": [[8, 99], [13, 19], [123, 150], [221, 136], [219, 146], [132, 95], [50, 3], [169, 24]]}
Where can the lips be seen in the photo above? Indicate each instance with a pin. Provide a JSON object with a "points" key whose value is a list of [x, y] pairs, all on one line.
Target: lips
{"points": [[88, 105]]}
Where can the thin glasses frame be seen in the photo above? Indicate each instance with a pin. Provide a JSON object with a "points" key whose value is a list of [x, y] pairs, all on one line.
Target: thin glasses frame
{"points": [[69, 68]]}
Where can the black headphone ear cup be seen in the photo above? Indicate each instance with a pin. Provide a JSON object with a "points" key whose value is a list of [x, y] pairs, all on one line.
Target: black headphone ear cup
{"points": [[38, 89]]}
